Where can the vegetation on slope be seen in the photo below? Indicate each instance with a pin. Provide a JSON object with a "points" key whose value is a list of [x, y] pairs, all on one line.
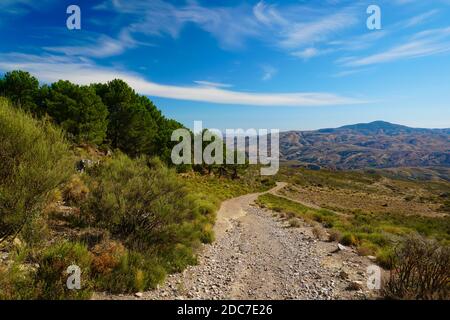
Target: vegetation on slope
{"points": [[126, 219]]}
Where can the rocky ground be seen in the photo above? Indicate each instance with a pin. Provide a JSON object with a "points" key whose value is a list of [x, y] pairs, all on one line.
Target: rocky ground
{"points": [[257, 256]]}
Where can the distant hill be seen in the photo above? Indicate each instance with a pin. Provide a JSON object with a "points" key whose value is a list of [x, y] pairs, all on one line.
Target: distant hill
{"points": [[377, 144]]}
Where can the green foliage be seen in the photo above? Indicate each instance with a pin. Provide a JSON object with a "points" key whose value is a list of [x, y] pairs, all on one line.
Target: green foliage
{"points": [[17, 283], [78, 110], [21, 88], [109, 113], [140, 201], [377, 233], [43, 274], [52, 274], [132, 127], [34, 160], [147, 207], [134, 272]]}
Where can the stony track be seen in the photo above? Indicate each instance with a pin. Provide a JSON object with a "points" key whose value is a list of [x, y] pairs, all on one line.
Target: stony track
{"points": [[257, 256]]}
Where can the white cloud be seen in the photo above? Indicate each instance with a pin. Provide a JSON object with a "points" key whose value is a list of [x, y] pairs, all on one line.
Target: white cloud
{"points": [[212, 84], [285, 26], [230, 25], [82, 71], [102, 47], [425, 43], [319, 30], [421, 18]]}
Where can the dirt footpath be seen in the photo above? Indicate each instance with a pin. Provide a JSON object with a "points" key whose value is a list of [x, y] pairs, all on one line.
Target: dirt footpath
{"points": [[257, 256]]}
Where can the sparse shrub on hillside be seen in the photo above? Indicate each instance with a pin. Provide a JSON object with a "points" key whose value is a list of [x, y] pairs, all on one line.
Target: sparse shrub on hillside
{"points": [[384, 258], [106, 256], [34, 160], [134, 272], [75, 191], [420, 270], [349, 239], [51, 276], [140, 201], [334, 235], [319, 233], [294, 223], [144, 205], [17, 282], [366, 248]]}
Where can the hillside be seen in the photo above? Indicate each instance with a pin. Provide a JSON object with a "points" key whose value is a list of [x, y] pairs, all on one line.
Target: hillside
{"points": [[369, 145]]}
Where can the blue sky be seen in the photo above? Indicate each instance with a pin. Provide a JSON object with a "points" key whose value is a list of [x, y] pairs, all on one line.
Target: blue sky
{"points": [[247, 64]]}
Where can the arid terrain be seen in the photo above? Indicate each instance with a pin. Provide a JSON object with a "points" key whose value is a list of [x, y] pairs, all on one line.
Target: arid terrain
{"points": [[373, 145]]}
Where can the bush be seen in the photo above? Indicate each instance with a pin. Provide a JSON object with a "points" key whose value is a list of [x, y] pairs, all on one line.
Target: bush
{"points": [[335, 235], [141, 202], [34, 160], [134, 272], [294, 223], [51, 277], [349, 239], [318, 232], [17, 283], [384, 258], [421, 270], [106, 256], [144, 205], [75, 191]]}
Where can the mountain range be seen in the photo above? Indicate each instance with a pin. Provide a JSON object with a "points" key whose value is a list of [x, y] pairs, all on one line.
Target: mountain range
{"points": [[377, 144]]}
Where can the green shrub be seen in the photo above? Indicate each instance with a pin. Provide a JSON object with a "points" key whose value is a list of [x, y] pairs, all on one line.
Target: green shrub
{"points": [[384, 258], [349, 239], [17, 283], [134, 272], [141, 202], [335, 235], [75, 191], [34, 160], [51, 277]]}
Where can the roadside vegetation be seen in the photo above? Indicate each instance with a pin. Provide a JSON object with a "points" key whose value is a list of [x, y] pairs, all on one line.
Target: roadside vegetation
{"points": [[399, 221], [86, 181]]}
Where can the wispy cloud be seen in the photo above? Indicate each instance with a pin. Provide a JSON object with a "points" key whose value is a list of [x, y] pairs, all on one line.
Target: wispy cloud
{"points": [[230, 25], [304, 34], [103, 46], [290, 27], [213, 84], [21, 6], [350, 72], [268, 72], [419, 19], [426, 43], [82, 71]]}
